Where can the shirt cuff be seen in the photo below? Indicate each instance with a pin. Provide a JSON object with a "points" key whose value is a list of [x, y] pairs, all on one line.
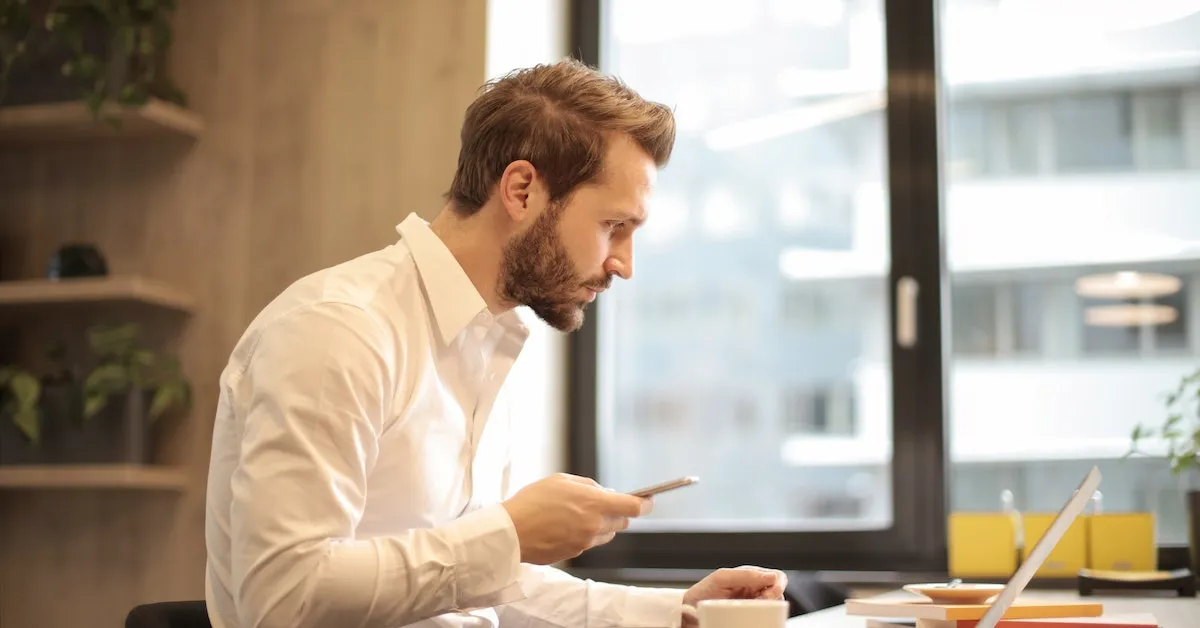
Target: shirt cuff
{"points": [[487, 557], [652, 608]]}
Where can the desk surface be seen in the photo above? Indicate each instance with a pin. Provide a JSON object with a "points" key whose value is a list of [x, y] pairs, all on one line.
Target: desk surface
{"points": [[1171, 612]]}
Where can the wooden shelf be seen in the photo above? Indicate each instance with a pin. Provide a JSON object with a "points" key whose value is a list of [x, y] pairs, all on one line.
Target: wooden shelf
{"points": [[128, 288], [131, 477], [71, 121]]}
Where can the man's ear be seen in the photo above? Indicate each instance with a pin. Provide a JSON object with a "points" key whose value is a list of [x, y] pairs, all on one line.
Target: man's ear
{"points": [[516, 189]]}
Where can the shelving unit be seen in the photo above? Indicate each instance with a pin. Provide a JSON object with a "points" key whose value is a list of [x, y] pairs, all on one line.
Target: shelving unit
{"points": [[122, 477], [90, 290], [71, 121]]}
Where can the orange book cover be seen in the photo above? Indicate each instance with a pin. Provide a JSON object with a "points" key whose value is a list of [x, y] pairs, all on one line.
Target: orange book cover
{"points": [[1143, 620], [1021, 609], [1116, 621]]}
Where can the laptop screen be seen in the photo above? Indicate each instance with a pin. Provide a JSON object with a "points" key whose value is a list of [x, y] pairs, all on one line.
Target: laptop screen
{"points": [[1041, 551]]}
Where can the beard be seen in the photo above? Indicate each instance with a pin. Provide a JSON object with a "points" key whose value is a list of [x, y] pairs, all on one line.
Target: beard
{"points": [[537, 272]]}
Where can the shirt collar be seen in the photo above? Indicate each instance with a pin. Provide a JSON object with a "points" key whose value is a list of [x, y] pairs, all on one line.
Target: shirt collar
{"points": [[453, 298]]}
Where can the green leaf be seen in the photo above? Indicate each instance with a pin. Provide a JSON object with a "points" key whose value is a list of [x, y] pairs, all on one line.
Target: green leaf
{"points": [[25, 389], [113, 340], [23, 405], [26, 420], [164, 398], [93, 403], [106, 380], [1181, 464]]}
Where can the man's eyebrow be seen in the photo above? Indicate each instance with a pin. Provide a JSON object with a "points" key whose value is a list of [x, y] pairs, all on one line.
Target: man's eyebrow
{"points": [[633, 216]]}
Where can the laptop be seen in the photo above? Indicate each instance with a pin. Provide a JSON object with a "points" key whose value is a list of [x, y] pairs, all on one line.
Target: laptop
{"points": [[1041, 551], [1037, 556]]}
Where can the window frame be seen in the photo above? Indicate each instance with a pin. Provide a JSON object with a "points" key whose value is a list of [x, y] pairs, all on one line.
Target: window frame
{"points": [[916, 541]]}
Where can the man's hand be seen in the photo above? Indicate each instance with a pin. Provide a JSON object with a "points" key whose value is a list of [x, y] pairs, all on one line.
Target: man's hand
{"points": [[742, 583], [562, 516]]}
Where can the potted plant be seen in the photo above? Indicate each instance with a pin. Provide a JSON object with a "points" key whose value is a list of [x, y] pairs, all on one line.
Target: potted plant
{"points": [[100, 51], [35, 411], [20, 416], [123, 395], [1180, 432]]}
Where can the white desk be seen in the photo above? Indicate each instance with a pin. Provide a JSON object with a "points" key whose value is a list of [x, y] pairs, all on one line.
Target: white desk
{"points": [[1171, 612]]}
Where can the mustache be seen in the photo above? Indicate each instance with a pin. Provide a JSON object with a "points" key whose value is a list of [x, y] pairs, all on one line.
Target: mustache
{"points": [[600, 284]]}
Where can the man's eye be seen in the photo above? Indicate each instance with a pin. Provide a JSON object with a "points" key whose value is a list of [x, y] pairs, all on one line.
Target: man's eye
{"points": [[615, 224]]}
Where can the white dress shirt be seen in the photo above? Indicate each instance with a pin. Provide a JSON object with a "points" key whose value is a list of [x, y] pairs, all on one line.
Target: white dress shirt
{"points": [[360, 450]]}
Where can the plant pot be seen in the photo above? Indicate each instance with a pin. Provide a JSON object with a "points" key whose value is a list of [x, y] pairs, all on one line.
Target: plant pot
{"points": [[14, 447], [38, 79], [1193, 498], [57, 409], [119, 434]]}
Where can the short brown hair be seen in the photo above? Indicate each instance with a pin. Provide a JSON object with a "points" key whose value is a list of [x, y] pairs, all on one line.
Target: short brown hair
{"points": [[557, 117]]}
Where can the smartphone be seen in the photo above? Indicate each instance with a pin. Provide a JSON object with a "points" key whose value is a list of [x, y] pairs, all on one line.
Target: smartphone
{"points": [[651, 491]]}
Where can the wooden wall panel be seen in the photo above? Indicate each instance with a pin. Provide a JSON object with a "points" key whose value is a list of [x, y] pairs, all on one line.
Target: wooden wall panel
{"points": [[327, 121]]}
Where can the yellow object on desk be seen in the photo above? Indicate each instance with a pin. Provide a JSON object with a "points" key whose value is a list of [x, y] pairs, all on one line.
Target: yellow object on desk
{"points": [[1071, 553], [981, 544], [1123, 541]]}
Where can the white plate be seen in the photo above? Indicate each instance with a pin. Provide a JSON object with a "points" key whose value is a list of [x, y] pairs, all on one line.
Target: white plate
{"points": [[964, 593]]}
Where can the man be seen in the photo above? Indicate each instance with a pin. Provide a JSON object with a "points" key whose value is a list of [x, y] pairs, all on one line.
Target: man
{"points": [[359, 472]]}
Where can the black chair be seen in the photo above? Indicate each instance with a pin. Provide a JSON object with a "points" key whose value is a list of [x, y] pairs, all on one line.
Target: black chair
{"points": [[807, 593], [183, 614]]}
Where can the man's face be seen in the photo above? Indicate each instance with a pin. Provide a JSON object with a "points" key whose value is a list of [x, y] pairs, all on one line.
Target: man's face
{"points": [[571, 250]]}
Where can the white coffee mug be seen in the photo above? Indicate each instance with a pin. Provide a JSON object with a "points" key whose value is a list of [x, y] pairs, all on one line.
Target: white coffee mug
{"points": [[740, 613]]}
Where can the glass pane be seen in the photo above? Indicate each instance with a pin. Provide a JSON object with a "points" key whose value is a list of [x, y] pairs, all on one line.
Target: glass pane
{"points": [[1072, 282], [751, 349]]}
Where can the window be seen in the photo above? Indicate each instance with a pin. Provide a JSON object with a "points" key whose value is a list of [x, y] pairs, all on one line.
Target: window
{"points": [[1093, 133], [1054, 134], [805, 190], [1069, 289], [778, 193], [819, 411]]}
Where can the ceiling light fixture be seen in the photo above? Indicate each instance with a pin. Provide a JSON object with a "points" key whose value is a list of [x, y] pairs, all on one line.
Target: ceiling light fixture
{"points": [[1102, 15], [1127, 284], [1129, 315]]}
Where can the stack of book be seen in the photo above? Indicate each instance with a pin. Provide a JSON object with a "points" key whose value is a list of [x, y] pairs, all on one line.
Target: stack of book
{"points": [[1022, 614]]}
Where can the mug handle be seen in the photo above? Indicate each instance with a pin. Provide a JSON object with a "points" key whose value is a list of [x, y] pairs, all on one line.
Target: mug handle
{"points": [[690, 612]]}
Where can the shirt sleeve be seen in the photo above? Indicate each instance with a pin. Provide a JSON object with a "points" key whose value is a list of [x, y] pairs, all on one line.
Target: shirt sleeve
{"points": [[556, 599], [315, 395], [559, 600]]}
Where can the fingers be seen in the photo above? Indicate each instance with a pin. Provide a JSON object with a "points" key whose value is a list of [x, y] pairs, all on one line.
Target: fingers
{"points": [[760, 583], [777, 582], [603, 539], [579, 479], [609, 530], [622, 505]]}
